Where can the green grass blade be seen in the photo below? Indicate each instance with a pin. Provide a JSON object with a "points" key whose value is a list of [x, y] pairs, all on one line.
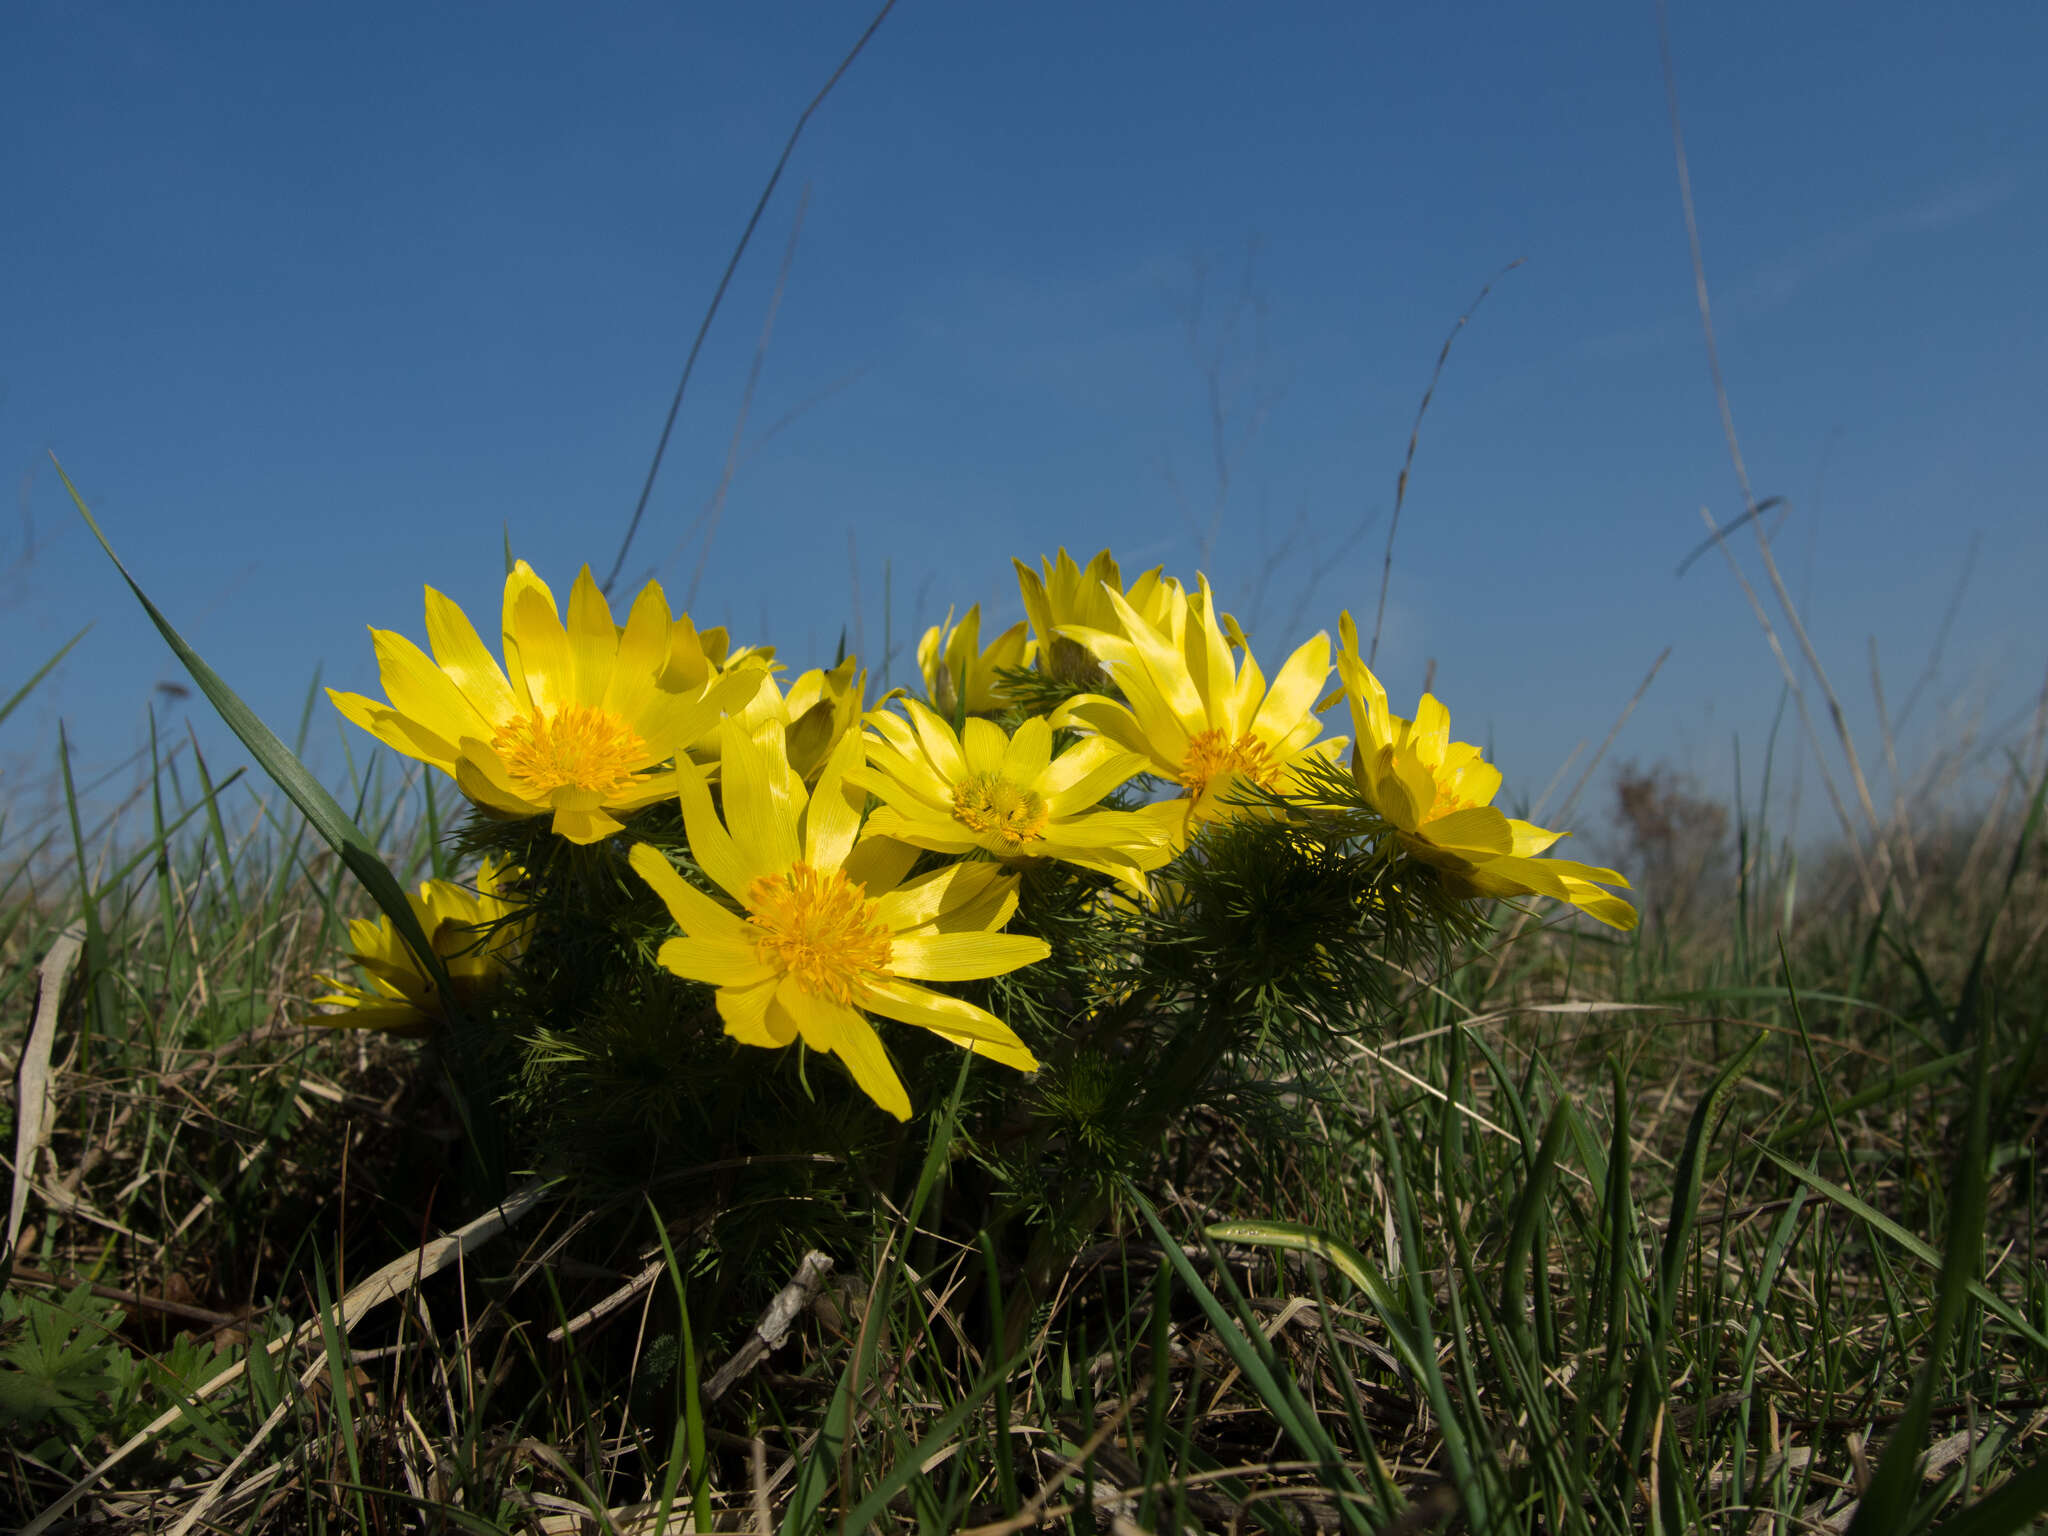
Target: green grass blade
{"points": [[230, 886], [1648, 1389], [290, 774], [864, 1515], [14, 699], [814, 1476], [2014, 1506], [1893, 1481], [1620, 1278], [1304, 1429], [98, 1021], [1917, 1246], [1965, 1025], [1897, 1083], [1528, 1216], [690, 1432], [1293, 1237], [1006, 1462], [160, 867], [335, 1348], [1458, 1452]]}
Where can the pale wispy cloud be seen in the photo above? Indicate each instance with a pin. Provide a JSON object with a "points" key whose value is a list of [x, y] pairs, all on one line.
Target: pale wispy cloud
{"points": [[1949, 207], [1775, 282]]}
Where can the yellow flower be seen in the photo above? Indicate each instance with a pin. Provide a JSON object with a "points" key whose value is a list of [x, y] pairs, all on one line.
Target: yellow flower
{"points": [[828, 931], [823, 709], [474, 932], [1196, 715], [1008, 796], [696, 656], [1438, 793], [1068, 595], [958, 672], [571, 725], [815, 715]]}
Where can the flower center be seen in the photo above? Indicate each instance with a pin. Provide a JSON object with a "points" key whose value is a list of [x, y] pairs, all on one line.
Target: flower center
{"points": [[819, 927], [1446, 802], [1211, 755], [992, 804], [576, 747]]}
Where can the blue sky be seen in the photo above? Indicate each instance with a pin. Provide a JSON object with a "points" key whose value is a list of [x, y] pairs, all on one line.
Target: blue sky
{"points": [[314, 303]]}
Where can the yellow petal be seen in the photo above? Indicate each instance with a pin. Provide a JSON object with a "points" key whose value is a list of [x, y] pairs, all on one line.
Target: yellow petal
{"points": [[580, 819], [391, 1018], [1085, 772], [422, 691], [1245, 698], [1114, 721], [1118, 865], [923, 827], [1028, 754], [716, 961], [1371, 722], [1127, 830], [519, 580], [480, 775], [1209, 666], [593, 640], [894, 730], [710, 845], [1403, 791], [694, 912], [1295, 689], [929, 659], [894, 750], [1474, 780], [939, 899], [674, 722], [941, 746], [544, 654], [1478, 831], [834, 1027], [745, 1011], [1164, 667], [394, 730], [460, 653], [1530, 839], [760, 811], [961, 1022], [1511, 876], [983, 745], [643, 650], [1570, 869], [640, 793], [1031, 588], [832, 818], [1431, 732], [963, 956], [1600, 905], [871, 778], [879, 864]]}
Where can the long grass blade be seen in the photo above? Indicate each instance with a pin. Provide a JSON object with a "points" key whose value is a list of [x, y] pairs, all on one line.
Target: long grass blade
{"points": [[1303, 1428], [2014, 1506], [1648, 1389], [14, 699], [1892, 1482], [1917, 1246], [290, 774]]}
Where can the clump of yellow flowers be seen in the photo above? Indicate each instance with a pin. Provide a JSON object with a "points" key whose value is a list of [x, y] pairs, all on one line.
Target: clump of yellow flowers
{"points": [[475, 935], [690, 855]]}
